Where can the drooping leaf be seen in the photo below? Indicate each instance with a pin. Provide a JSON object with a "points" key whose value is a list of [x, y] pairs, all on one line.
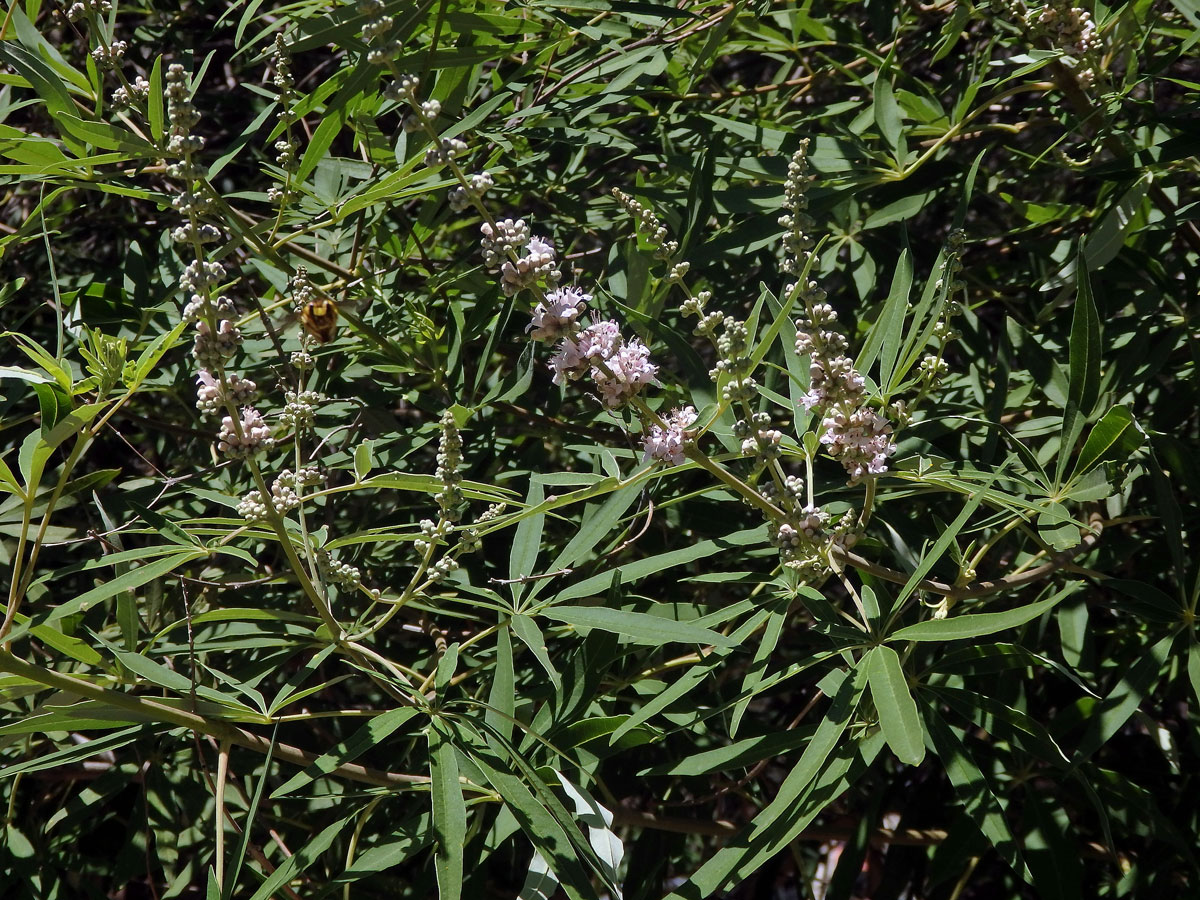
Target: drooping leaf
{"points": [[895, 705]]}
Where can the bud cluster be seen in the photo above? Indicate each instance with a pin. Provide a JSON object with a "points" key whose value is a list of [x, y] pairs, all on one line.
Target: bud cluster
{"points": [[431, 533], [285, 494], [183, 116], [1068, 28], [833, 378], [213, 395], [443, 150], [470, 539], [1071, 28], [649, 226], [758, 439], [77, 11], [340, 573], [933, 367], [733, 352], [797, 243], [110, 57], [523, 261], [216, 337], [284, 83], [855, 435], [243, 438], [425, 114], [449, 460], [212, 348], [299, 412], [188, 232], [708, 322], [137, 91], [402, 89], [375, 32], [800, 536], [477, 185]]}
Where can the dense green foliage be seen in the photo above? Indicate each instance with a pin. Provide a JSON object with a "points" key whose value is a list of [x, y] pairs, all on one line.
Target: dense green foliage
{"points": [[548, 661]]}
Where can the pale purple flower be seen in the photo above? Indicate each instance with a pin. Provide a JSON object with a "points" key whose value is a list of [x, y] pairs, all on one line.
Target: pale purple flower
{"points": [[575, 354], [667, 444], [628, 371], [557, 316], [534, 267], [861, 440]]}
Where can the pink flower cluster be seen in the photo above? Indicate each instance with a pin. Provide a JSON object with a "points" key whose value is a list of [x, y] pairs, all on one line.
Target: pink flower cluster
{"points": [[833, 378], [860, 439], [558, 314], [620, 368], [255, 435], [855, 435], [667, 444]]}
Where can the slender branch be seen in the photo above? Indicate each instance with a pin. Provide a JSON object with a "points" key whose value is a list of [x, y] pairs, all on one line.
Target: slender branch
{"points": [[219, 817], [915, 837], [977, 588], [224, 731]]}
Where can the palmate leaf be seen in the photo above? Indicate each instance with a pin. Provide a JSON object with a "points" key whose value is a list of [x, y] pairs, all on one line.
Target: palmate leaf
{"points": [[973, 789], [780, 824], [788, 812]]}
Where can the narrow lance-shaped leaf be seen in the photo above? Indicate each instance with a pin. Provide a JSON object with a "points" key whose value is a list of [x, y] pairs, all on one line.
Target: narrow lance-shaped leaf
{"points": [[369, 735], [526, 629], [887, 112], [1115, 436], [886, 335], [449, 814], [1083, 386], [895, 705], [980, 803], [976, 624], [641, 628], [293, 865], [1123, 700], [747, 849], [944, 540], [527, 540]]}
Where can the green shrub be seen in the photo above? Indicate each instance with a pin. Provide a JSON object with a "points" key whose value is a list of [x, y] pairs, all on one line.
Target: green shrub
{"points": [[598, 449]]}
